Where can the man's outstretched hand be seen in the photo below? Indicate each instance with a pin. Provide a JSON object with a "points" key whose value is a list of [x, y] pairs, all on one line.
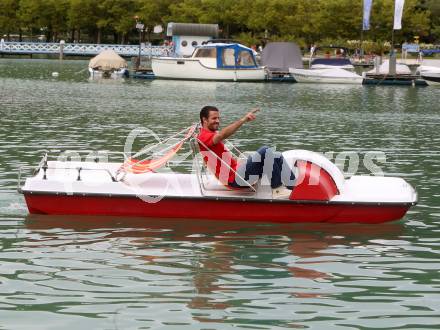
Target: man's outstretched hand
{"points": [[251, 115], [232, 128]]}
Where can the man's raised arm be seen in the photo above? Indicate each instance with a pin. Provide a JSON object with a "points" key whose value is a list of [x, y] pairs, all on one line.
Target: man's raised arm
{"points": [[232, 128]]}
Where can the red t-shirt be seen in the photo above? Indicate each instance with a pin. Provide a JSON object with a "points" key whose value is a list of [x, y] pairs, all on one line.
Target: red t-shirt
{"points": [[222, 172]]}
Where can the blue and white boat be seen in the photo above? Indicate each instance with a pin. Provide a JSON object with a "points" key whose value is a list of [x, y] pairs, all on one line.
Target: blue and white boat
{"points": [[212, 61]]}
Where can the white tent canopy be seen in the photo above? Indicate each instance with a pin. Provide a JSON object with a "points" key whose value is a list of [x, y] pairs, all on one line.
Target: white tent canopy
{"points": [[107, 60]]}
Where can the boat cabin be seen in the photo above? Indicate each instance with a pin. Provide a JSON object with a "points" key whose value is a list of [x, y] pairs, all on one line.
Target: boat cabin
{"points": [[187, 36], [226, 56]]}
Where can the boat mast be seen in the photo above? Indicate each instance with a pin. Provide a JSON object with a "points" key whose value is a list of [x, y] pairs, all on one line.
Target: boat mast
{"points": [[392, 67]]}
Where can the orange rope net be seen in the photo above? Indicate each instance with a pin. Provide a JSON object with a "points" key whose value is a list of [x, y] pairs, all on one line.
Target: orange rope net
{"points": [[135, 166]]}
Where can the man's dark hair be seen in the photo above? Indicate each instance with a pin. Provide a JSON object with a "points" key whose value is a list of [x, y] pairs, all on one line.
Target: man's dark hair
{"points": [[204, 113]]}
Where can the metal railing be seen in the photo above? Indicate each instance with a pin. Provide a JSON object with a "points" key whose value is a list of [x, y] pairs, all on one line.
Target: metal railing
{"points": [[77, 49], [93, 155]]}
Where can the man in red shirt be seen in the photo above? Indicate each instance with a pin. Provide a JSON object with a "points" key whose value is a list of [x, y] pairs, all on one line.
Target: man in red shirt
{"points": [[223, 164]]}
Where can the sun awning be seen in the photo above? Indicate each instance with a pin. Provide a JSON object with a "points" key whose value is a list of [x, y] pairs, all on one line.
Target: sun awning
{"points": [[107, 60]]}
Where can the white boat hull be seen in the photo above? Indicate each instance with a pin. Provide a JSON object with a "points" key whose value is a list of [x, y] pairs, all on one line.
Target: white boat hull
{"points": [[323, 76], [108, 74], [193, 69], [326, 66], [431, 77], [431, 74]]}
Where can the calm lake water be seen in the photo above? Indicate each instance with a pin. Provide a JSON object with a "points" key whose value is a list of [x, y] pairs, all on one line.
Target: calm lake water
{"points": [[118, 273]]}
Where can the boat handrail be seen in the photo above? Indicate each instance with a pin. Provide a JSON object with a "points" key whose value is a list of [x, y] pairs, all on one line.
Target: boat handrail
{"points": [[197, 165], [147, 149], [59, 156], [200, 171], [226, 164], [239, 152], [78, 168], [129, 164], [45, 168]]}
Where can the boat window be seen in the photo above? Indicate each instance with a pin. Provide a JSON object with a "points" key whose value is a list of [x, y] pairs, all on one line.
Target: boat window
{"points": [[206, 52], [245, 58], [194, 43], [184, 43], [228, 57]]}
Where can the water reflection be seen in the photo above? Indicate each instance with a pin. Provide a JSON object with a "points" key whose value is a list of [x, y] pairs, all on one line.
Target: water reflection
{"points": [[210, 263]]}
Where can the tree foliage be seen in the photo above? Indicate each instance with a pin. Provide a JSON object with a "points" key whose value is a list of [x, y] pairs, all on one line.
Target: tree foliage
{"points": [[304, 21]]}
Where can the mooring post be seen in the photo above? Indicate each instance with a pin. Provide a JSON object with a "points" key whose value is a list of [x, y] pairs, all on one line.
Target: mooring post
{"points": [[62, 42]]}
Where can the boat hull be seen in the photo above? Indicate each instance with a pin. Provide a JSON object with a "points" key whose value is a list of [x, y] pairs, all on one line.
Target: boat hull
{"points": [[114, 74], [431, 78], [326, 80], [215, 209], [193, 69], [349, 67], [320, 77]]}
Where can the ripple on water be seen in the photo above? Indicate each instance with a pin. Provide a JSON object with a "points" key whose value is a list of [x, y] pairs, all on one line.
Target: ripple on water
{"points": [[137, 273]]}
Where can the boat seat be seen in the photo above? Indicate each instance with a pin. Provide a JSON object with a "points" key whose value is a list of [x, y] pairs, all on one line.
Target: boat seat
{"points": [[292, 156], [211, 182]]}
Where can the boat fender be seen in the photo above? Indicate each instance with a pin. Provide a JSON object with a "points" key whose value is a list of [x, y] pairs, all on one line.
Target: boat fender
{"points": [[313, 183]]}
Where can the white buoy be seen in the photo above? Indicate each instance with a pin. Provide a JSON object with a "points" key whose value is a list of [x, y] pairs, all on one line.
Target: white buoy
{"points": [[55, 74]]}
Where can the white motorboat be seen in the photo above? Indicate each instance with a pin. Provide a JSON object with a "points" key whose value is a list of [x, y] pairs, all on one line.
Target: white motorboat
{"points": [[322, 58], [216, 61], [326, 76], [384, 68], [108, 64], [430, 73]]}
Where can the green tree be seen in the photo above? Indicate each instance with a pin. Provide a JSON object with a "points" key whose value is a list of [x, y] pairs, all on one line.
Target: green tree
{"points": [[186, 11], [154, 12], [47, 17], [433, 7], [83, 16], [304, 21], [9, 22], [119, 17]]}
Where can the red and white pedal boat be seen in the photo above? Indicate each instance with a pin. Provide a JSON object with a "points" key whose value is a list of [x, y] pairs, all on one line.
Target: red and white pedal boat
{"points": [[321, 194]]}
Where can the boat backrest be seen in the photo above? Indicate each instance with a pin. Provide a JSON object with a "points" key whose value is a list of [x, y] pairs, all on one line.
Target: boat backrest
{"points": [[292, 156], [201, 172]]}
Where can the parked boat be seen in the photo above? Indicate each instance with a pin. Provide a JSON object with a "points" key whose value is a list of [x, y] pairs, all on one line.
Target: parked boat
{"points": [[384, 68], [213, 61], [137, 188], [328, 57], [108, 64], [403, 76], [430, 73], [326, 76], [278, 57]]}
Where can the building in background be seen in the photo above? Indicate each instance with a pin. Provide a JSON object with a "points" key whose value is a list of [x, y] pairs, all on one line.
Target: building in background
{"points": [[187, 36]]}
